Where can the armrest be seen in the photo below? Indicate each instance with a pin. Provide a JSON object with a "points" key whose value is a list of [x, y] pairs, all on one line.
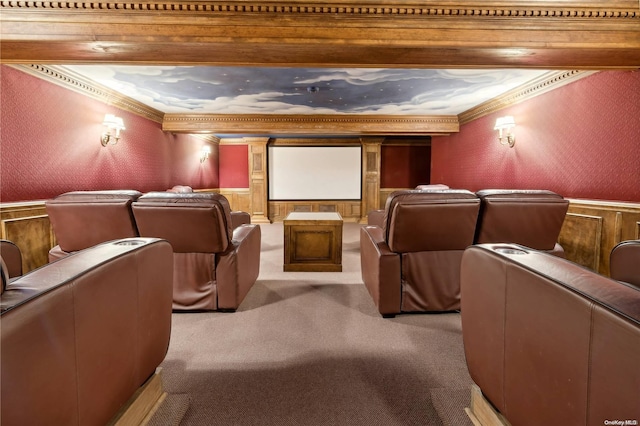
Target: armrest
{"points": [[380, 270], [240, 218], [238, 267]]}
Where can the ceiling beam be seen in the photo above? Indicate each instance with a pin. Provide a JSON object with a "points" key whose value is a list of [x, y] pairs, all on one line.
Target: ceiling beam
{"points": [[391, 33]]}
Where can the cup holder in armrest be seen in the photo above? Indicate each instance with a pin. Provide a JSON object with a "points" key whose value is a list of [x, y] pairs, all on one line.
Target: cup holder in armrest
{"points": [[129, 243]]}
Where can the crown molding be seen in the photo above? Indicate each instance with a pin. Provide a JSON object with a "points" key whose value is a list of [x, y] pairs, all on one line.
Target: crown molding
{"points": [[73, 81], [342, 124], [476, 10], [549, 81]]}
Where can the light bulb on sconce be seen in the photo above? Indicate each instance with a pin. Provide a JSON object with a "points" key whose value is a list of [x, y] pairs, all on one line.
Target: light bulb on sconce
{"points": [[113, 126], [506, 124], [204, 153]]}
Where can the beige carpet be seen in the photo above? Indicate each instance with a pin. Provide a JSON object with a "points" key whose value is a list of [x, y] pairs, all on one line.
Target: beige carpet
{"points": [[309, 348]]}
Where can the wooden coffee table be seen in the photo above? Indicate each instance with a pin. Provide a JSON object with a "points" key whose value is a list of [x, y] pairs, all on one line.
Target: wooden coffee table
{"points": [[313, 242]]}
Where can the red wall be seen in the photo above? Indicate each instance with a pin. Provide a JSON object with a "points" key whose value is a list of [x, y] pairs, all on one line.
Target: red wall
{"points": [[234, 166], [51, 144], [404, 166], [581, 140]]}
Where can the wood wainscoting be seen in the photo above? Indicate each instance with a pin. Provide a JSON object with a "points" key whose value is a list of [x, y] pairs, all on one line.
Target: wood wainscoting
{"points": [[27, 225], [348, 209], [592, 228], [239, 198]]}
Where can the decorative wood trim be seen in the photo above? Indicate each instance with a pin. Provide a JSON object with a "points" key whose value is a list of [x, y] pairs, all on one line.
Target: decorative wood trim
{"points": [[348, 209], [80, 84], [479, 10], [549, 81], [258, 179], [593, 227], [314, 141], [581, 239], [371, 160], [347, 124]]}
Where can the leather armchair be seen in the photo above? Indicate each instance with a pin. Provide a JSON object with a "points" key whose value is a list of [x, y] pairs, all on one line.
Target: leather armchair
{"points": [[624, 262], [82, 219], [81, 335], [547, 341], [215, 265], [412, 262], [532, 218], [10, 262], [375, 217]]}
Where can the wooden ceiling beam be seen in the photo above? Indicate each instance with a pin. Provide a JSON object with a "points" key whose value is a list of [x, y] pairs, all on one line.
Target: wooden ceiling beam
{"points": [[534, 34]]}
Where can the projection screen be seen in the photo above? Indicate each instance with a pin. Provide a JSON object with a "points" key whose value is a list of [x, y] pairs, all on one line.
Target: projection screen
{"points": [[314, 172]]}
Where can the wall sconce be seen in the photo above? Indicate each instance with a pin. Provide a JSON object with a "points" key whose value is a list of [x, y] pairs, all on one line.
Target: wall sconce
{"points": [[506, 123], [204, 153], [114, 125]]}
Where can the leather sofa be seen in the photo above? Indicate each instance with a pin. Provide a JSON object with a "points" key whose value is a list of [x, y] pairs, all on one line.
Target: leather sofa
{"points": [[376, 217], [215, 265], [81, 335], [412, 262], [548, 341], [624, 262], [532, 218]]}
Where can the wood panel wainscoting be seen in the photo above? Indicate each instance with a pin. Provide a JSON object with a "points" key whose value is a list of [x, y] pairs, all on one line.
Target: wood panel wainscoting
{"points": [[348, 209], [27, 225], [592, 228], [239, 198]]}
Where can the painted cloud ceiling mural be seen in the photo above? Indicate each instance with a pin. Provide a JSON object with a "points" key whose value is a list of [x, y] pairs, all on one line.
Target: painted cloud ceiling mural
{"points": [[256, 90]]}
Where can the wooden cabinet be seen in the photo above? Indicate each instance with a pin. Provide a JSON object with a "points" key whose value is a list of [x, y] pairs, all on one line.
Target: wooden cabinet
{"points": [[313, 242]]}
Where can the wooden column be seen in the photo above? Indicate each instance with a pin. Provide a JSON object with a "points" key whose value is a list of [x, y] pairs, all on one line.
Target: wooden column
{"points": [[371, 147], [258, 181]]}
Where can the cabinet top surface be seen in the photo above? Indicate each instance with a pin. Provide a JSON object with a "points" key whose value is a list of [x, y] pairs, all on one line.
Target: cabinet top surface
{"points": [[313, 216]]}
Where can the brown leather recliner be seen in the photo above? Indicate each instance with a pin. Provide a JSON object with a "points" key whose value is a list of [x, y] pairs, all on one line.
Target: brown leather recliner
{"points": [[81, 335], [547, 341], [624, 262], [375, 217], [82, 219], [215, 265], [412, 262], [532, 218]]}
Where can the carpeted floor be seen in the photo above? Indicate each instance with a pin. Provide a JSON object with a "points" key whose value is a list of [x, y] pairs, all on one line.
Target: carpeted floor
{"points": [[309, 348]]}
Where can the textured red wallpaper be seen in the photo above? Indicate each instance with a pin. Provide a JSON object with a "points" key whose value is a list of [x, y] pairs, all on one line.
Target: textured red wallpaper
{"points": [[234, 166], [50, 144], [404, 166], [581, 140]]}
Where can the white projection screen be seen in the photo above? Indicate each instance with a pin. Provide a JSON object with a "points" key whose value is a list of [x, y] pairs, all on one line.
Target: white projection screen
{"points": [[314, 172]]}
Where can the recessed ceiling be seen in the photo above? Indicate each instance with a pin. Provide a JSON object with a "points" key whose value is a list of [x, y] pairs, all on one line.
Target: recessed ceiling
{"points": [[300, 91]]}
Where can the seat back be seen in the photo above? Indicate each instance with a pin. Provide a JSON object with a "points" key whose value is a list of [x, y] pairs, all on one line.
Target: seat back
{"points": [[429, 231], [416, 221], [191, 222], [624, 262], [532, 218], [82, 219]]}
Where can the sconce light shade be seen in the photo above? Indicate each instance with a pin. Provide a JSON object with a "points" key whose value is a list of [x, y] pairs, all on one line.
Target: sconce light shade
{"points": [[506, 123], [113, 124], [204, 153]]}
